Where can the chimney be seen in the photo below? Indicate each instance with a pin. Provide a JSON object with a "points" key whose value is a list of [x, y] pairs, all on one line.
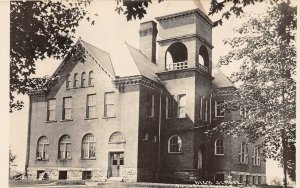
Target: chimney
{"points": [[148, 32]]}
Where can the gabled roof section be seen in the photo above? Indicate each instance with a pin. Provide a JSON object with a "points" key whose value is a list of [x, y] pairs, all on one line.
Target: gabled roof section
{"points": [[102, 57], [144, 65], [220, 81], [129, 61]]}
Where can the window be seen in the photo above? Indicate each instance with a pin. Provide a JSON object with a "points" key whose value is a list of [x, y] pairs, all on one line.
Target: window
{"points": [[91, 77], [116, 137], [219, 147], [62, 175], [150, 106], [86, 175], [256, 156], [201, 109], [83, 79], [258, 180], [254, 180], [155, 138], [169, 107], [219, 111], [241, 179], [67, 108], [206, 110], [219, 177], [88, 146], [182, 106], [75, 81], [64, 149], [91, 106], [109, 102], [248, 177], [42, 148], [175, 144], [68, 81], [51, 107], [243, 155]]}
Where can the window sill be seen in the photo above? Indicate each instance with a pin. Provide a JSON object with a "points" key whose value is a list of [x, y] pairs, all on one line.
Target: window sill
{"points": [[219, 155], [108, 117], [51, 121], [149, 116], [219, 116], [169, 118], [175, 153], [41, 159], [88, 159], [116, 142], [79, 87], [64, 159], [64, 120], [90, 118], [181, 118]]}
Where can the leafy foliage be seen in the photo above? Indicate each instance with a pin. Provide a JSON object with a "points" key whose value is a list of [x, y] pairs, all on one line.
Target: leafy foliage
{"points": [[265, 49], [39, 29]]}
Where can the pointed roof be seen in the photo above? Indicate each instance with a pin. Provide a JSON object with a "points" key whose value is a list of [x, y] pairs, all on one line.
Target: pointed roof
{"points": [[102, 57], [220, 81], [129, 61], [183, 6]]}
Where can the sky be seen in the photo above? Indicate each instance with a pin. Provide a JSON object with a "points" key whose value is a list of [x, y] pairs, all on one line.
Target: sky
{"points": [[109, 30]]}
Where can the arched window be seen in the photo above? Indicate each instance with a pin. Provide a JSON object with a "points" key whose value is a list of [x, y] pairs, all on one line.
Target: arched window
{"points": [[175, 144], [88, 146], [75, 81], [83, 79], [42, 148], [219, 147], [91, 77], [116, 137], [68, 81], [64, 147], [176, 56], [203, 58]]}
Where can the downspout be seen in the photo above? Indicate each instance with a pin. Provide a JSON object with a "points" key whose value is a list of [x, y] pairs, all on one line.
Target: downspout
{"points": [[210, 108], [28, 138], [159, 134]]}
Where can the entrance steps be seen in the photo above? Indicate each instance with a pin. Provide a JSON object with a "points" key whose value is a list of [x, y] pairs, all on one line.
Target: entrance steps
{"points": [[114, 179]]}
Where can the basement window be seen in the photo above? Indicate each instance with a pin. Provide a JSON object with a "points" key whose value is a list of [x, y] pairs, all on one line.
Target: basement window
{"points": [[86, 175], [62, 175]]}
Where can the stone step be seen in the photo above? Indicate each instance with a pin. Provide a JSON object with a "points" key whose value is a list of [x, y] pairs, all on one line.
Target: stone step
{"points": [[114, 179]]}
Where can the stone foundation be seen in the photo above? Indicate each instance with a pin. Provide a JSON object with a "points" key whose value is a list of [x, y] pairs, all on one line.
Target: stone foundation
{"points": [[179, 176], [130, 174], [73, 173]]}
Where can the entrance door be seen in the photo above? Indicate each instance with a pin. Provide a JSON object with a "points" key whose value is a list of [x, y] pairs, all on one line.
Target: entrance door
{"points": [[116, 164]]}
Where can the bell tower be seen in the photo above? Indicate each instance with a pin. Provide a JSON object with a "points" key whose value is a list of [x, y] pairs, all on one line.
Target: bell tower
{"points": [[185, 37]]}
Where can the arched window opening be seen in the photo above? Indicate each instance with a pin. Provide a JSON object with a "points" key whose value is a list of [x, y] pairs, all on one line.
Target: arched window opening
{"points": [[175, 144], [203, 58], [219, 147], [68, 81], [75, 81], [116, 137], [176, 56], [42, 148], [91, 77], [64, 148], [88, 146], [83, 79]]}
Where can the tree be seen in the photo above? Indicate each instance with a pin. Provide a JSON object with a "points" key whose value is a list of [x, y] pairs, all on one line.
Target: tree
{"points": [[265, 49], [12, 158]]}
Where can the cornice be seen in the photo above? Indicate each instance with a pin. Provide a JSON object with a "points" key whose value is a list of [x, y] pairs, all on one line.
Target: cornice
{"points": [[122, 82], [186, 13]]}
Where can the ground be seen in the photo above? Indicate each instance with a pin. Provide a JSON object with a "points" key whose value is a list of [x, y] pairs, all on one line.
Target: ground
{"points": [[62, 184]]}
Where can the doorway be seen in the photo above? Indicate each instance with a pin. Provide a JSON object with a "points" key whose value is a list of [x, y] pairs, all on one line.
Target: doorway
{"points": [[116, 164]]}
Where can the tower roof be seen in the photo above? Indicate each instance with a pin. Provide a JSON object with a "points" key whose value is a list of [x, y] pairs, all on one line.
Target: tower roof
{"points": [[183, 6]]}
